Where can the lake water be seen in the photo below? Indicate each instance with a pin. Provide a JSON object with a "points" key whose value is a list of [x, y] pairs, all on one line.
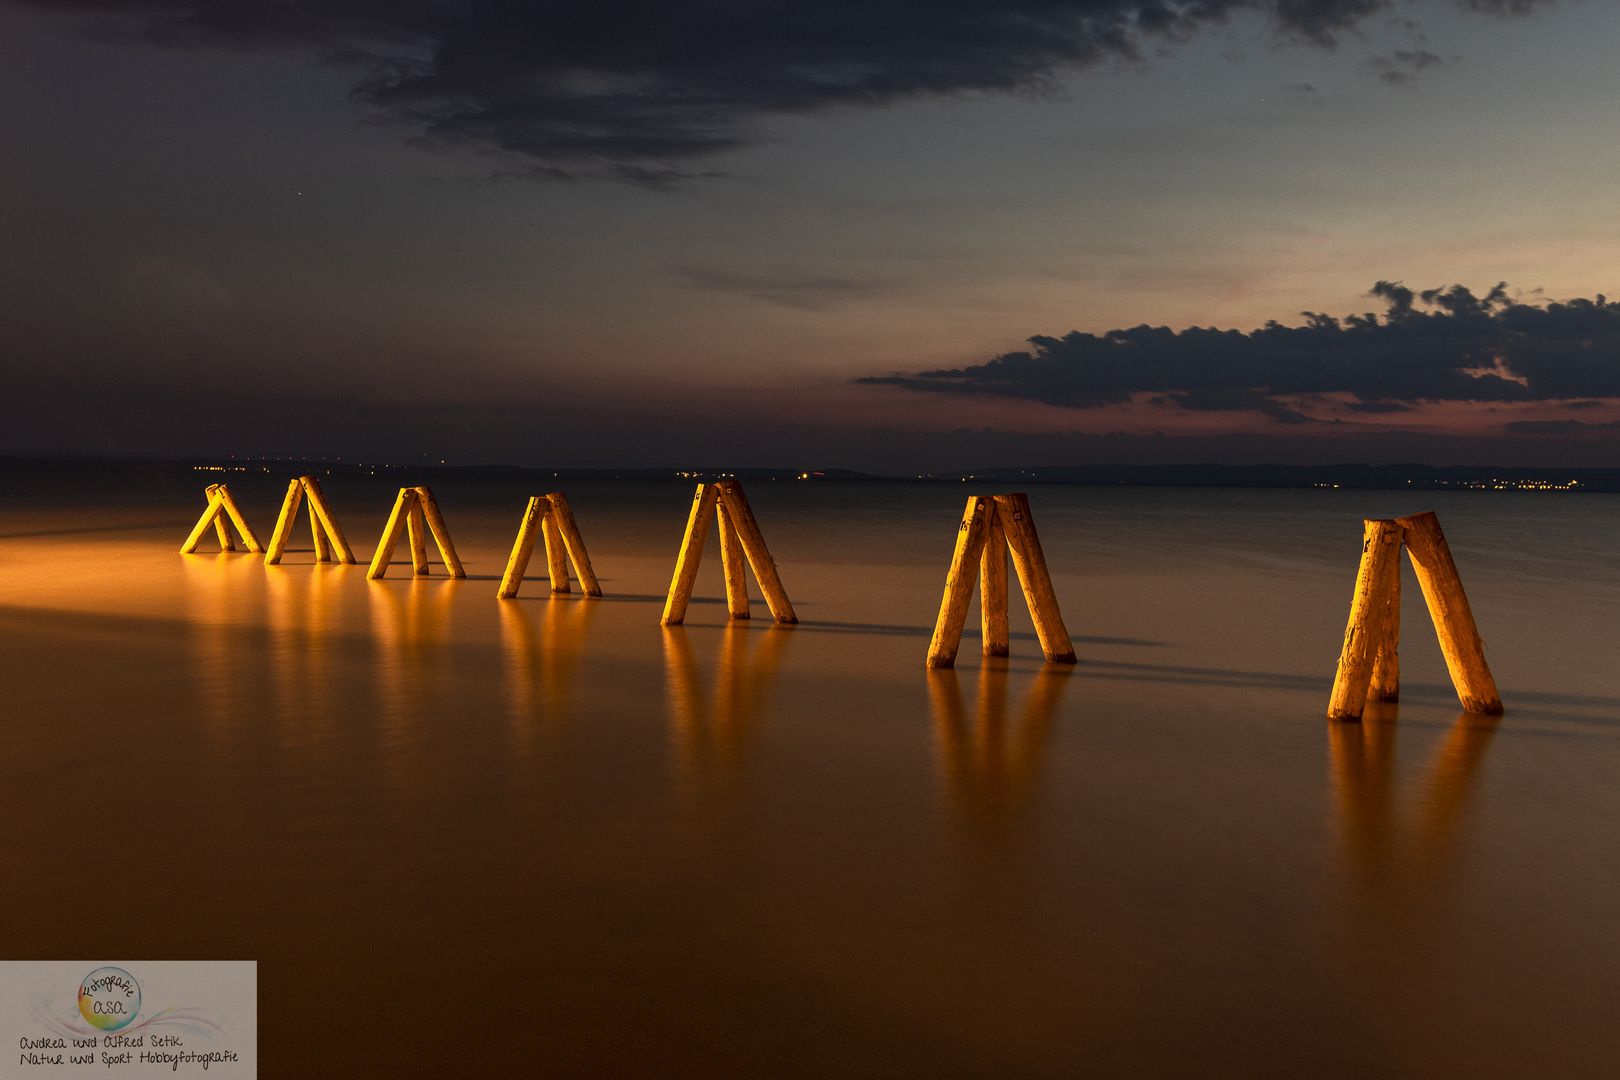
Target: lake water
{"points": [[547, 836]]}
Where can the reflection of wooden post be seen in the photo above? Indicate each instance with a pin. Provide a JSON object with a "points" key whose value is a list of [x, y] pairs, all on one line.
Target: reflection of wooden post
{"points": [[556, 557], [993, 589], [523, 547], [323, 526], [221, 505], [753, 545], [441, 534], [1369, 614], [731, 558], [390, 537], [1453, 618], [686, 563], [970, 537], [1030, 562], [577, 554]]}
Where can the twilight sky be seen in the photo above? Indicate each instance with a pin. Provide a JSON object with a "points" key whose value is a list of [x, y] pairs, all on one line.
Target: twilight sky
{"points": [[811, 234]]}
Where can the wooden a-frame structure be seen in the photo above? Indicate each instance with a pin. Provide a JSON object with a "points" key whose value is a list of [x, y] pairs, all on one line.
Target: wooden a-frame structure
{"points": [[1369, 663], [416, 513], [549, 516], [740, 538], [991, 527], [322, 524], [220, 508]]}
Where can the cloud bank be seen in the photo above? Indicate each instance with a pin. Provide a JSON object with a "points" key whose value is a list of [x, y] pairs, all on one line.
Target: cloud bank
{"points": [[1463, 348], [638, 91]]}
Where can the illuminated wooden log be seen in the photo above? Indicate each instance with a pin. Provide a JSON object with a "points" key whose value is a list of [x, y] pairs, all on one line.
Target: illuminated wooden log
{"points": [[556, 556], [993, 588], [416, 529], [753, 545], [397, 520], [691, 554], [239, 520], [1386, 673], [222, 532], [564, 517], [323, 546], [1453, 618], [1030, 563], [522, 548], [204, 523], [965, 566], [320, 508], [441, 532], [284, 522], [1369, 611], [731, 557]]}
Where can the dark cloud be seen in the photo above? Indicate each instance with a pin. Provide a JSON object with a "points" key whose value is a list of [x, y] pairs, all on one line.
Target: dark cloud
{"points": [[1556, 427], [636, 90], [1401, 67], [1433, 346]]}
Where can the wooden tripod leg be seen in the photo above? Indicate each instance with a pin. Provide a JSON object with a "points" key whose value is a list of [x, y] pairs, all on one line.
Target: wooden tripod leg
{"points": [[397, 518], [556, 555], [581, 559], [441, 533], [759, 557], [522, 548], [1386, 672], [1030, 563], [248, 535], [284, 523], [1453, 618], [416, 530], [993, 587], [319, 507], [731, 558], [203, 523], [953, 608], [222, 531], [1380, 559], [686, 563], [323, 547]]}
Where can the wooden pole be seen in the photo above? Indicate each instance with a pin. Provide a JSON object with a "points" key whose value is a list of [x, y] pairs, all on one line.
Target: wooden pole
{"points": [[222, 532], [1030, 562], [441, 533], [1386, 672], [397, 518], [731, 557], [581, 558], [753, 545], [416, 529], [993, 588], [965, 563], [319, 507], [323, 547], [1453, 618], [686, 563], [284, 522], [556, 556], [203, 523], [522, 548], [1369, 608], [248, 535]]}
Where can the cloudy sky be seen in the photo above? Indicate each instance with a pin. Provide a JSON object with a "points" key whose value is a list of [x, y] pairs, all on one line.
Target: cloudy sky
{"points": [[845, 233]]}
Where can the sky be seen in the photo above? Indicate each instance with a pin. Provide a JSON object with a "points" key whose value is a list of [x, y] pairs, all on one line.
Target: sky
{"points": [[891, 235]]}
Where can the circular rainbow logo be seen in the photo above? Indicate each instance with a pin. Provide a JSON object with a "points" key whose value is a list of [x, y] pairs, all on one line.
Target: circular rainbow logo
{"points": [[109, 998]]}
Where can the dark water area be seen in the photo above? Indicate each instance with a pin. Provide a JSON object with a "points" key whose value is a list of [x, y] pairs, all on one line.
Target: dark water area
{"points": [[547, 836]]}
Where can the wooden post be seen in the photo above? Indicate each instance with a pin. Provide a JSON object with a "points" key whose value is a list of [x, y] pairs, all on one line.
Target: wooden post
{"points": [[221, 532], [1369, 611], [237, 518], [416, 529], [1030, 562], [731, 558], [993, 588], [319, 508], [753, 545], [523, 548], [190, 543], [284, 522], [581, 558], [965, 564], [1453, 618], [1386, 672], [441, 534], [323, 547], [221, 505], [556, 557], [397, 518], [691, 555]]}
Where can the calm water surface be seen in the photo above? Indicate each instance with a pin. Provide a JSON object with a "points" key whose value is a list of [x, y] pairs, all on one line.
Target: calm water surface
{"points": [[549, 837]]}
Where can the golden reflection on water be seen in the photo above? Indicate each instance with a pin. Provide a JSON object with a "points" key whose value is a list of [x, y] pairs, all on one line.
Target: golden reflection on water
{"points": [[710, 734], [303, 611], [218, 609], [991, 768], [410, 625], [541, 660]]}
